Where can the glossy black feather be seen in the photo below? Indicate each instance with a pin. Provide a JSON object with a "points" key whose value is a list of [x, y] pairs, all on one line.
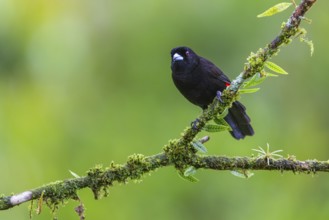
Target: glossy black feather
{"points": [[198, 80]]}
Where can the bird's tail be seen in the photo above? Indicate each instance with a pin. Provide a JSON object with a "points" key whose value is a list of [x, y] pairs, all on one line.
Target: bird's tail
{"points": [[239, 121]]}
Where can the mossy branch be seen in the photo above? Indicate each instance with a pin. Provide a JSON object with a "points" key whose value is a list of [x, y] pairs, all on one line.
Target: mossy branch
{"points": [[99, 179], [180, 152]]}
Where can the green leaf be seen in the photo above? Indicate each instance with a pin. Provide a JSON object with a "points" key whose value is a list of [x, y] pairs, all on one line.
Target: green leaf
{"points": [[220, 121], [190, 171], [199, 146], [242, 174], [191, 179], [250, 81], [244, 91], [216, 128], [275, 9], [255, 80], [270, 74], [74, 174], [274, 67], [223, 114]]}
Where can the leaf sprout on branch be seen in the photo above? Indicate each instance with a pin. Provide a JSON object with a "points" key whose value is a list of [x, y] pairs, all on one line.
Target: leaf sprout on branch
{"points": [[262, 154]]}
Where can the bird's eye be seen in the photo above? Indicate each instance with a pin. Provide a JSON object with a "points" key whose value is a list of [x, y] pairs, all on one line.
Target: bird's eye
{"points": [[187, 53]]}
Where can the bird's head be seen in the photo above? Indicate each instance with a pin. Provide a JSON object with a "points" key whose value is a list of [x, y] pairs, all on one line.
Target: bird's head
{"points": [[183, 59]]}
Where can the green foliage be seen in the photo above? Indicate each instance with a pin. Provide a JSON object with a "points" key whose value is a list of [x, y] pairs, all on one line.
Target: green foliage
{"points": [[188, 178], [245, 91], [220, 121], [223, 114], [242, 173], [216, 128], [269, 74], [275, 9], [260, 77], [189, 171], [275, 68], [199, 146], [74, 174], [255, 80]]}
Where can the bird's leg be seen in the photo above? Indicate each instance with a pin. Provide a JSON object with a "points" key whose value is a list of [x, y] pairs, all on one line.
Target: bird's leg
{"points": [[219, 96]]}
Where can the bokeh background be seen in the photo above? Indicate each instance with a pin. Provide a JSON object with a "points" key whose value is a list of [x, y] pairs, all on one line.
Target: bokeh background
{"points": [[87, 82]]}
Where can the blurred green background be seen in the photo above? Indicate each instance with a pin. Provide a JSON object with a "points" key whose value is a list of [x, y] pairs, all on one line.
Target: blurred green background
{"points": [[88, 82]]}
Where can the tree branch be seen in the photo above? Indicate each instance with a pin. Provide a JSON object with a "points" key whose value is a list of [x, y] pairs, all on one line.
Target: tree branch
{"points": [[180, 152], [252, 163]]}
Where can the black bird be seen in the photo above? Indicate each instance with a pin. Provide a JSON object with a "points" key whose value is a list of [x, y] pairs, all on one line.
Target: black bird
{"points": [[199, 80]]}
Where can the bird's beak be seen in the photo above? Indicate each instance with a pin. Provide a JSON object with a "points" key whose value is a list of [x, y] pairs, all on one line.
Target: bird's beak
{"points": [[177, 57]]}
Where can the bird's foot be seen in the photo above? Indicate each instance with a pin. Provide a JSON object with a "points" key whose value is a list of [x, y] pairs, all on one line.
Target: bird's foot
{"points": [[194, 124], [219, 96]]}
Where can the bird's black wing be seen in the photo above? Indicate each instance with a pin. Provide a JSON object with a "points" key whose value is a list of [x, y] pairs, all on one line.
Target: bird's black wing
{"points": [[215, 76], [214, 71]]}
